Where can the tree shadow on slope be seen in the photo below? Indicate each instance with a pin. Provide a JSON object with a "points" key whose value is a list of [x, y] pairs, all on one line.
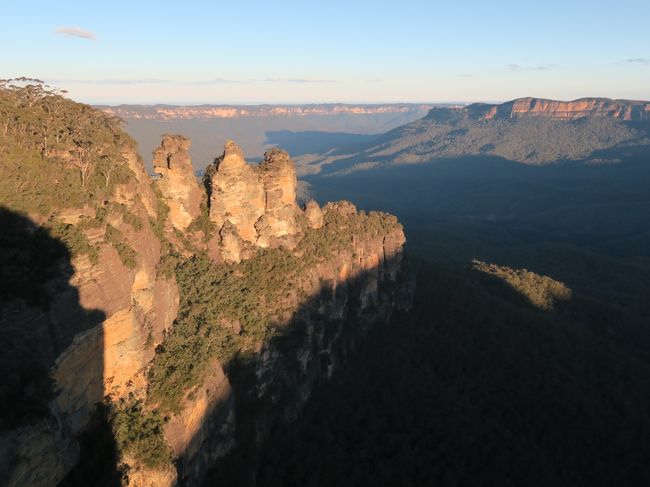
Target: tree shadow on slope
{"points": [[473, 387], [40, 314]]}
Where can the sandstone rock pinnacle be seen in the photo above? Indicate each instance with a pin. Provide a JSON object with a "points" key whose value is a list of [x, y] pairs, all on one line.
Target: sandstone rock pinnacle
{"points": [[258, 201], [177, 182], [314, 214]]}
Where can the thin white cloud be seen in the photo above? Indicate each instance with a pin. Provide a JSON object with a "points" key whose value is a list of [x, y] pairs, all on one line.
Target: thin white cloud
{"points": [[465, 75], [215, 81], [638, 60], [219, 81], [109, 81], [540, 67], [298, 80], [76, 32]]}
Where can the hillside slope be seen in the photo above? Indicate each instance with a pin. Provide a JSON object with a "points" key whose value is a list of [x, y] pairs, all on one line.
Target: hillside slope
{"points": [[528, 130]]}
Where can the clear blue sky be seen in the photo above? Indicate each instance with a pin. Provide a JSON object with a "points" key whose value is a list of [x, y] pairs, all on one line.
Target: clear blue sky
{"points": [[334, 51]]}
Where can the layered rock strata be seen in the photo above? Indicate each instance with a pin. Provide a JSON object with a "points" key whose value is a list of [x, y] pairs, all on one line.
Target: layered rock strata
{"points": [[627, 110], [103, 320], [254, 204]]}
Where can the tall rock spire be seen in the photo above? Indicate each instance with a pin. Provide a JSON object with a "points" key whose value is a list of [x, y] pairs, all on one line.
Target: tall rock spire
{"points": [[176, 180]]}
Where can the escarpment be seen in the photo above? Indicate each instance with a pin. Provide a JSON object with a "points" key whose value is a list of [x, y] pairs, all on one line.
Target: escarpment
{"points": [[527, 130], [80, 218], [168, 322], [627, 110]]}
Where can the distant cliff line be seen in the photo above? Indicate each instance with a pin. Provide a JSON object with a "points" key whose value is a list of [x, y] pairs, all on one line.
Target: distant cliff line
{"points": [[175, 112], [627, 110]]}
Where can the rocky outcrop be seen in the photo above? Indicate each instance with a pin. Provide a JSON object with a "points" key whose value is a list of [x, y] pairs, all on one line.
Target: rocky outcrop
{"points": [[280, 182], [568, 110], [236, 193], [176, 180], [314, 214], [255, 203]]}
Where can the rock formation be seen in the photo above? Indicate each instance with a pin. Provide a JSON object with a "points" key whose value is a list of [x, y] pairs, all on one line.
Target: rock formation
{"points": [[314, 214], [258, 202], [236, 193], [176, 180], [355, 285], [279, 182]]}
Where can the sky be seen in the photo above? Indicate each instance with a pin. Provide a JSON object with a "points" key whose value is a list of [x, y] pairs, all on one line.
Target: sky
{"points": [[195, 52]]}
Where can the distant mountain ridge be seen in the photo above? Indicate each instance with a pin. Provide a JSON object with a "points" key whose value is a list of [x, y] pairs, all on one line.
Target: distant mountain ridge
{"points": [[300, 129], [174, 112], [526, 130]]}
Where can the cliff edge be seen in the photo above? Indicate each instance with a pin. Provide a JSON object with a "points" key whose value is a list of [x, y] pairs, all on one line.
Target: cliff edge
{"points": [[156, 325]]}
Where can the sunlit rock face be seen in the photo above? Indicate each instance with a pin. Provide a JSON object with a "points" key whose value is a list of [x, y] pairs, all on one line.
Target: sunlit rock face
{"points": [[314, 214], [279, 180], [258, 201], [104, 322], [327, 312], [236, 193], [568, 110], [176, 180]]}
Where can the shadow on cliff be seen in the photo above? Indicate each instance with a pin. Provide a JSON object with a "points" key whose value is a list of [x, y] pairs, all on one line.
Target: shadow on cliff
{"points": [[269, 387], [472, 370], [40, 314]]}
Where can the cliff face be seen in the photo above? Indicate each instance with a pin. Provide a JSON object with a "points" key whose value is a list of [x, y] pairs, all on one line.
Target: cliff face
{"points": [[125, 321], [105, 310], [568, 110]]}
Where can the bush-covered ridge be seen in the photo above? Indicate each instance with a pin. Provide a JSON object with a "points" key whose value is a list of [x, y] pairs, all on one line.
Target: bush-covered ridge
{"points": [[56, 153], [542, 291], [226, 309]]}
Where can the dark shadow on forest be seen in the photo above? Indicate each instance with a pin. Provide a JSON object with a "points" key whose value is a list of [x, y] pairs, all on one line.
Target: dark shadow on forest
{"points": [[40, 314], [475, 386], [585, 225]]}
